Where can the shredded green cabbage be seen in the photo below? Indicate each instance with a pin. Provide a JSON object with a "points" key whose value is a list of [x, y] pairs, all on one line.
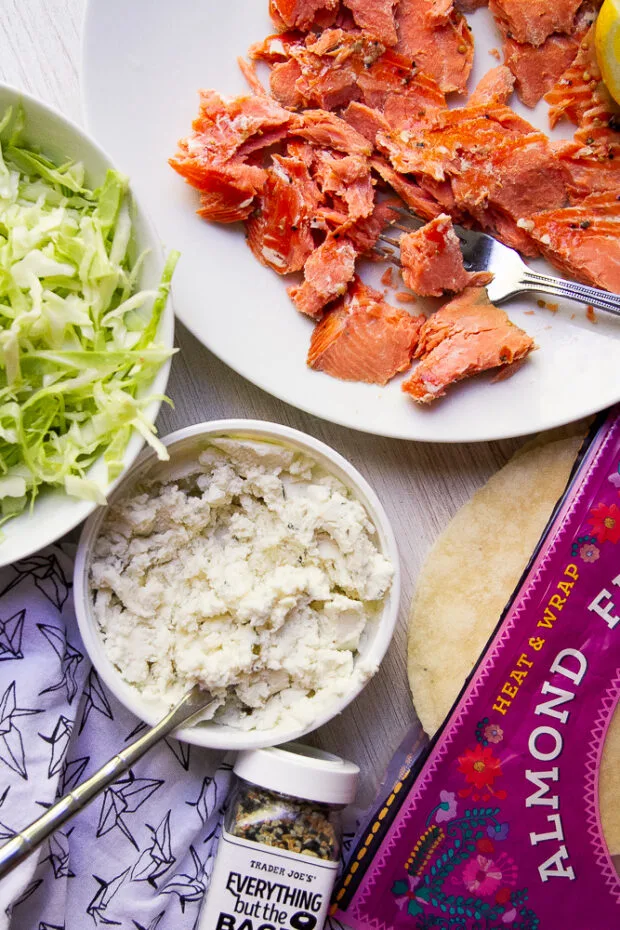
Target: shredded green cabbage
{"points": [[77, 340]]}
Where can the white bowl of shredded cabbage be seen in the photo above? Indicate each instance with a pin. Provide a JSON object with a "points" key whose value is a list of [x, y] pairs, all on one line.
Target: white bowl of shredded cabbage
{"points": [[86, 331]]}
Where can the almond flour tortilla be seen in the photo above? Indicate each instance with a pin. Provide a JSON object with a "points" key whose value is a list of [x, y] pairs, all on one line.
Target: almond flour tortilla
{"points": [[469, 576]]}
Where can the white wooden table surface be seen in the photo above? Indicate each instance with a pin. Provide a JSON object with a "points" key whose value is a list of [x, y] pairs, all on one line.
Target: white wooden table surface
{"points": [[421, 485]]}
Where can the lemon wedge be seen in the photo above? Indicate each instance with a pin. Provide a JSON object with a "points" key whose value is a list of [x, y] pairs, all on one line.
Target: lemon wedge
{"points": [[607, 43]]}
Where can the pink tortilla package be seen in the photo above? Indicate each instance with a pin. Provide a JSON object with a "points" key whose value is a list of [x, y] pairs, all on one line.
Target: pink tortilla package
{"points": [[497, 826]]}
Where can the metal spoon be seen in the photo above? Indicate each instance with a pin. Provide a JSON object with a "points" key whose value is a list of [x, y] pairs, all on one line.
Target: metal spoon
{"points": [[17, 849]]}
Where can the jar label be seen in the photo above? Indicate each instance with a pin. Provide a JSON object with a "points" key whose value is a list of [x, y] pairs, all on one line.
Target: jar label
{"points": [[256, 887]]}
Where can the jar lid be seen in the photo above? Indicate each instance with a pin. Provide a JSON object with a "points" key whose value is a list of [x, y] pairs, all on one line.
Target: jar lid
{"points": [[300, 771]]}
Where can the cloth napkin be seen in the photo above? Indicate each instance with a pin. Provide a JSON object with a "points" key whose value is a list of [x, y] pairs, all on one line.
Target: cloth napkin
{"points": [[140, 855]]}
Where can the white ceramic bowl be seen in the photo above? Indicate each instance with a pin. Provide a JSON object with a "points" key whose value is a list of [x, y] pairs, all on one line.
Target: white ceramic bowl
{"points": [[215, 735], [55, 513]]}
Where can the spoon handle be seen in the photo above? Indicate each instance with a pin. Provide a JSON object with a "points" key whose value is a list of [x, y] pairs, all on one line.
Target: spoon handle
{"points": [[22, 844]]}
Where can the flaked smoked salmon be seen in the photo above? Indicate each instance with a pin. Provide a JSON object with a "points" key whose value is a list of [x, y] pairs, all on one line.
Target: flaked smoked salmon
{"points": [[223, 125], [278, 231], [469, 6], [363, 338], [298, 14], [366, 120], [432, 261], [583, 240], [499, 168], [589, 170], [448, 137], [324, 71], [349, 178], [444, 50], [227, 194], [356, 108], [327, 272], [467, 336], [364, 233], [495, 87], [532, 21], [329, 131], [376, 17], [213, 158], [572, 94], [537, 68], [416, 198]]}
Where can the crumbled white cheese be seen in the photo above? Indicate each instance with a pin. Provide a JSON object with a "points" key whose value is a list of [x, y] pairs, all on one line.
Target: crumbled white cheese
{"points": [[250, 571]]}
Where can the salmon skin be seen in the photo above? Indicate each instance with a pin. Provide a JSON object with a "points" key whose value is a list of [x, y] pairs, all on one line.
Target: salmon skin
{"points": [[363, 338], [432, 261], [467, 336]]}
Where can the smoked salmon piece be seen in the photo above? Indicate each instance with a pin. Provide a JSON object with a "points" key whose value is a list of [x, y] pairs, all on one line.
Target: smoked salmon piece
{"points": [[572, 95], [468, 6], [376, 17], [279, 232], [223, 125], [442, 50], [329, 131], [324, 71], [363, 338], [447, 137], [589, 171], [276, 47], [495, 87], [499, 168], [583, 240], [227, 194], [536, 69], [327, 273], [393, 76], [581, 96], [467, 336], [349, 178], [298, 14], [432, 261], [532, 21], [366, 120], [212, 158], [415, 197], [363, 234], [519, 177]]}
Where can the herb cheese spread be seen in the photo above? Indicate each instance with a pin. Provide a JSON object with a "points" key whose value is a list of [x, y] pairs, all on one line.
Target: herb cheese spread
{"points": [[249, 570]]}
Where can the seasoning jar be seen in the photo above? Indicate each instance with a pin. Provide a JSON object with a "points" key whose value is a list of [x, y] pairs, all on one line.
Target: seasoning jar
{"points": [[278, 855]]}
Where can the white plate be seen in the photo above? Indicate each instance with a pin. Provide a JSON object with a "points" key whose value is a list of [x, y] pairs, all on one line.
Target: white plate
{"points": [[55, 513], [143, 64]]}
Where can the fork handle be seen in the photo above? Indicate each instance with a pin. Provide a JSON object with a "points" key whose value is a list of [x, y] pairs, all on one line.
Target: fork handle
{"points": [[20, 846], [546, 284]]}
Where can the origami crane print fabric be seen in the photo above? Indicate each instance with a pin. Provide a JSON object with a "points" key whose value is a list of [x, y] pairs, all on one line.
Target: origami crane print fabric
{"points": [[140, 855]]}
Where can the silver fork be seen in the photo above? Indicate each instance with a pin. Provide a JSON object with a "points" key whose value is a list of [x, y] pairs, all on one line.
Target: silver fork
{"points": [[484, 253], [196, 703]]}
